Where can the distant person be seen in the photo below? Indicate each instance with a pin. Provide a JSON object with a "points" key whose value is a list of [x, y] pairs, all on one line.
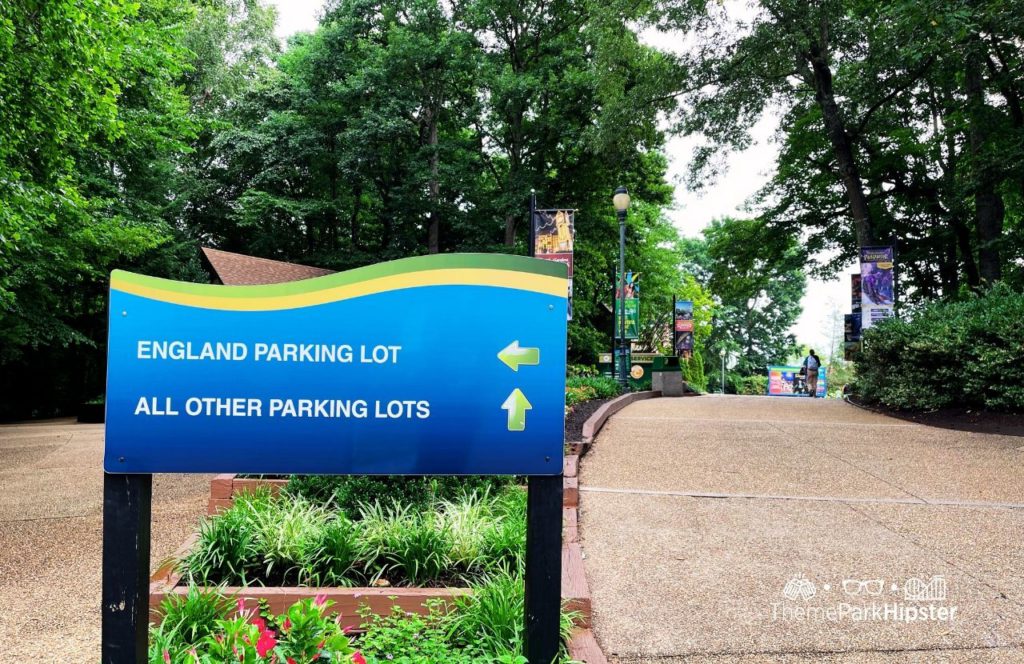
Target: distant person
{"points": [[811, 364]]}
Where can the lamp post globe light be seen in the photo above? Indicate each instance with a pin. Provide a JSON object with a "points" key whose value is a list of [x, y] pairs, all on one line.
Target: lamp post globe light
{"points": [[621, 203]]}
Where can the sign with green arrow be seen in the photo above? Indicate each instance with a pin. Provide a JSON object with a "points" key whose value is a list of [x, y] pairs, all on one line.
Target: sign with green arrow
{"points": [[513, 355], [517, 405]]}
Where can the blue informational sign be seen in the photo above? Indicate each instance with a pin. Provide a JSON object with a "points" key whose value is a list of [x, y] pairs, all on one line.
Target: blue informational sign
{"points": [[450, 364]]}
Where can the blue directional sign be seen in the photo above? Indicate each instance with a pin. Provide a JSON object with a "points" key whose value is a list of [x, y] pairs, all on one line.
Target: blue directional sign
{"points": [[451, 364]]}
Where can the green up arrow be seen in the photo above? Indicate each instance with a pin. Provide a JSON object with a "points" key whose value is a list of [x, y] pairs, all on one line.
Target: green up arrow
{"points": [[513, 355], [516, 405]]}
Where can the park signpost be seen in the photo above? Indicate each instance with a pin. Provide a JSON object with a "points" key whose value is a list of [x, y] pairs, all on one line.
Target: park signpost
{"points": [[441, 365]]}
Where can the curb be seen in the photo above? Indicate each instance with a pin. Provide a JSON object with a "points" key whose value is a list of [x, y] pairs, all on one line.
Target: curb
{"points": [[593, 425]]}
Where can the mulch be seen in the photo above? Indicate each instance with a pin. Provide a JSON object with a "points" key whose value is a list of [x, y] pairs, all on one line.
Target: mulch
{"points": [[579, 414], [959, 419]]}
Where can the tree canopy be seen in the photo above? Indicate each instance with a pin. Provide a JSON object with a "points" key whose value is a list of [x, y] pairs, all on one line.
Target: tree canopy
{"points": [[899, 120]]}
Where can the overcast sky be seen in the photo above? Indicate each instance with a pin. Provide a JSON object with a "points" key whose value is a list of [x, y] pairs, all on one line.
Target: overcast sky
{"points": [[747, 172]]}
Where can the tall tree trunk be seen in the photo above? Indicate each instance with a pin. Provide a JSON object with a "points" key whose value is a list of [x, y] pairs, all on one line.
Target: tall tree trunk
{"points": [[963, 243], [510, 230], [989, 210], [433, 229], [842, 145]]}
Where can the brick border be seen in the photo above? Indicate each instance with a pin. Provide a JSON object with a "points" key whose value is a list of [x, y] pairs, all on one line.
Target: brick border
{"points": [[224, 488]]}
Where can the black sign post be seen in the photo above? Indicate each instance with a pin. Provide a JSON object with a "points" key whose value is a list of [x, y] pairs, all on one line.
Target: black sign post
{"points": [[543, 552], [126, 528]]}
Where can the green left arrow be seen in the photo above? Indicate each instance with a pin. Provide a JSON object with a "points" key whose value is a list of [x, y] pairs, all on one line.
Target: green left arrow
{"points": [[516, 404], [513, 355]]}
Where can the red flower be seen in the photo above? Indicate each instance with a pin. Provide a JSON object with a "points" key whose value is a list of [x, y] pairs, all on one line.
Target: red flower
{"points": [[266, 643], [167, 657], [286, 625], [357, 658], [320, 599], [260, 623], [241, 606], [291, 660]]}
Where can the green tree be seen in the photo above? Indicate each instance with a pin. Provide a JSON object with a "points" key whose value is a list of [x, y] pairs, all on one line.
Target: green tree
{"points": [[758, 279], [899, 119]]}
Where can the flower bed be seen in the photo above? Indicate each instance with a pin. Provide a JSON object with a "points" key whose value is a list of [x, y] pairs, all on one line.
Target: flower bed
{"points": [[282, 544], [485, 628]]}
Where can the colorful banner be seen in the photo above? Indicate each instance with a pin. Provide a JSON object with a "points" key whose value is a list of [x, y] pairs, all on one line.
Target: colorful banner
{"points": [[877, 286], [631, 282], [554, 233], [350, 373], [855, 308], [786, 381], [632, 318], [682, 328]]}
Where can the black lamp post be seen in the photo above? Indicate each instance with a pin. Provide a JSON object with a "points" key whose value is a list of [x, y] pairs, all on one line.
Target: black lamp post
{"points": [[621, 202]]}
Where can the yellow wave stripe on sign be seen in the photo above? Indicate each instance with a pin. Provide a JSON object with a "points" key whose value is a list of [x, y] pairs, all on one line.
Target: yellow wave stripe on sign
{"points": [[537, 283]]}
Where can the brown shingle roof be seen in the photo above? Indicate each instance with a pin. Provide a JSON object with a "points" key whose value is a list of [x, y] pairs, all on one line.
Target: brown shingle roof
{"points": [[241, 270]]}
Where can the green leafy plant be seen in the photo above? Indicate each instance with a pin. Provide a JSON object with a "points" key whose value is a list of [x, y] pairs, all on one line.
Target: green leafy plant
{"points": [[191, 617], [601, 386], [968, 353], [306, 632], [347, 493], [289, 540]]}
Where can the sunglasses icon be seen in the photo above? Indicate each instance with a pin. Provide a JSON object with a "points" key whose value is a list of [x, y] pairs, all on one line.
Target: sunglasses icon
{"points": [[868, 587]]}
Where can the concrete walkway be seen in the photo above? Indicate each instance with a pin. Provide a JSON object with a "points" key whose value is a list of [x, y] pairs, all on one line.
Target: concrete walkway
{"points": [[722, 529], [51, 499]]}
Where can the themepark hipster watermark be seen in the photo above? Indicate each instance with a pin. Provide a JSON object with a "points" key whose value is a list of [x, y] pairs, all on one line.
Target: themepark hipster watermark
{"points": [[865, 600]]}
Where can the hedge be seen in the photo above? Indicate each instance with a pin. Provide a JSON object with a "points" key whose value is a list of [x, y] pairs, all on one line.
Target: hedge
{"points": [[968, 353]]}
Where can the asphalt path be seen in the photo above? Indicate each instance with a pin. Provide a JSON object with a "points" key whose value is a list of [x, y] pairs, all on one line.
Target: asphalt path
{"points": [[756, 529], [51, 499]]}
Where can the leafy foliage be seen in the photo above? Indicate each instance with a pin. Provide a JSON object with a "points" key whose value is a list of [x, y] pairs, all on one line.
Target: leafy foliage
{"points": [[396, 128], [963, 354], [756, 276], [347, 492], [291, 540], [306, 632], [584, 388], [897, 120]]}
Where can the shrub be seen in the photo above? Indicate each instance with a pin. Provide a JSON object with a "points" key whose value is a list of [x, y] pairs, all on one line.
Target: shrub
{"points": [[600, 387], [574, 370], [348, 492], [693, 372], [754, 385], [967, 353], [292, 541]]}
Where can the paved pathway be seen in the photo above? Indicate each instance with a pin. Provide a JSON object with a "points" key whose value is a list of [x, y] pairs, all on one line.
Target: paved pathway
{"points": [[698, 513], [51, 493]]}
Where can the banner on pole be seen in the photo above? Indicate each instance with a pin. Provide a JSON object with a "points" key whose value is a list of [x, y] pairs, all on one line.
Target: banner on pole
{"points": [[554, 233], [632, 303], [682, 330], [877, 286], [853, 332]]}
